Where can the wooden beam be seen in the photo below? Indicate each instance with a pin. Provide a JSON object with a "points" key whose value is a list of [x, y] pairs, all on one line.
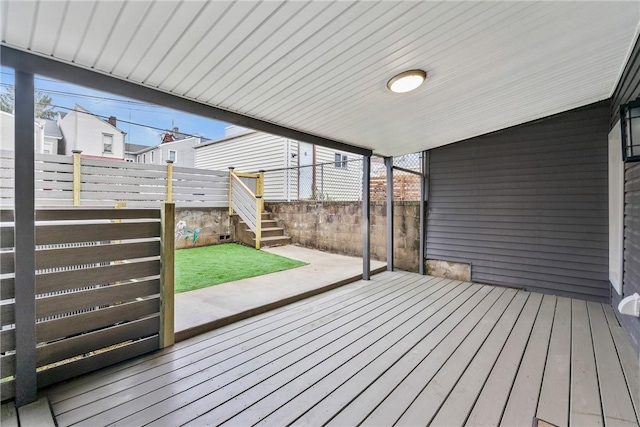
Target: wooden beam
{"points": [[167, 239]]}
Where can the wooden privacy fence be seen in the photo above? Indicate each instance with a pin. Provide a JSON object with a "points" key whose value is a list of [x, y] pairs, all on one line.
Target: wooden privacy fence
{"points": [[103, 290], [406, 187], [244, 202], [74, 180]]}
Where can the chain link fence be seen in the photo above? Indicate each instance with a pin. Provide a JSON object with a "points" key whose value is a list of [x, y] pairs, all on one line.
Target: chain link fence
{"points": [[341, 180]]}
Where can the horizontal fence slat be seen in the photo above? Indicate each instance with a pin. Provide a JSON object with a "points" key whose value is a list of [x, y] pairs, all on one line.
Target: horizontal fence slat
{"points": [[7, 340], [188, 185], [54, 176], [7, 288], [53, 167], [74, 233], [88, 364], [195, 171], [132, 173], [204, 179], [159, 188], [8, 365], [86, 322], [107, 295], [7, 264], [199, 197], [224, 204], [121, 164], [64, 257], [7, 314], [81, 344], [7, 390], [90, 214], [65, 280], [55, 185], [117, 196], [100, 179], [128, 204], [53, 158]]}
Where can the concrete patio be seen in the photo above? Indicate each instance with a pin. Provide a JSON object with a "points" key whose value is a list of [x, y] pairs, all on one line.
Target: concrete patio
{"points": [[205, 309]]}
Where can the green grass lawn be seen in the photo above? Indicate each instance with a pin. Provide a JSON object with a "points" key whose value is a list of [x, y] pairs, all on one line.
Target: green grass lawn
{"points": [[212, 265]]}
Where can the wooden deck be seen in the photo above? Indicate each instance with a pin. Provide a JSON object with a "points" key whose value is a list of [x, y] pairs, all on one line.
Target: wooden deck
{"points": [[401, 349]]}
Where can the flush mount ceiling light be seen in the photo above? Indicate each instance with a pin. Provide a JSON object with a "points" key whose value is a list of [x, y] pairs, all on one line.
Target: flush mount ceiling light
{"points": [[407, 81]]}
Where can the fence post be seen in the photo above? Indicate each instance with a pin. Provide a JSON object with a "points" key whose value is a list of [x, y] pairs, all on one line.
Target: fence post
{"points": [[231, 190], [167, 245], [259, 203], [170, 181], [77, 171], [260, 189]]}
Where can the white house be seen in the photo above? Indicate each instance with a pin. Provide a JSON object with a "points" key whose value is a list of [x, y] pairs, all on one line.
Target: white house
{"points": [[84, 131], [7, 133], [174, 146], [52, 136], [295, 170]]}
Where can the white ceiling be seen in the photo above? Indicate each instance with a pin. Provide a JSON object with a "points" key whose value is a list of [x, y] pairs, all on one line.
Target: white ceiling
{"points": [[322, 67]]}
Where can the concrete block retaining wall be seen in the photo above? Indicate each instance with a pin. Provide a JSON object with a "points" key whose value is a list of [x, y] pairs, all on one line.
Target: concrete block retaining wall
{"points": [[202, 227], [337, 227]]}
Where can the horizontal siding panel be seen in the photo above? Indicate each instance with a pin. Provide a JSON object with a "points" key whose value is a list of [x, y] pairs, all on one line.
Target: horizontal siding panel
{"points": [[527, 206]]}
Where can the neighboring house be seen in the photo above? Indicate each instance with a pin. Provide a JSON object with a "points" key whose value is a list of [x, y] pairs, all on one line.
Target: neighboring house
{"points": [[52, 136], [306, 171], [174, 146], [130, 151], [84, 131], [7, 133]]}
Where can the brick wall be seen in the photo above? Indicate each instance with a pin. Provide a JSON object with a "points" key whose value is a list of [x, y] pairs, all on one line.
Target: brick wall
{"points": [[337, 227]]}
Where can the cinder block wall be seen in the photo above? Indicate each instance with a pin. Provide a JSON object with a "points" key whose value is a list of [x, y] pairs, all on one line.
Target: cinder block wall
{"points": [[202, 227], [337, 227]]}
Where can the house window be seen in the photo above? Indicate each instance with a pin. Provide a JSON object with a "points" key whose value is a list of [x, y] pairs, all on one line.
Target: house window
{"points": [[107, 143], [341, 161], [47, 148], [144, 158], [151, 157], [129, 160], [138, 158], [173, 156]]}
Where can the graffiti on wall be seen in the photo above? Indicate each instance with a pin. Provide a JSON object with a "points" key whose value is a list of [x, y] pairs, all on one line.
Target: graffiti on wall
{"points": [[182, 232]]}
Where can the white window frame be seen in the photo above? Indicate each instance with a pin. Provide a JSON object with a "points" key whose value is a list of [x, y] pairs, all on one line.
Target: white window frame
{"points": [[104, 143], [175, 155], [144, 158], [340, 161], [138, 158], [151, 157]]}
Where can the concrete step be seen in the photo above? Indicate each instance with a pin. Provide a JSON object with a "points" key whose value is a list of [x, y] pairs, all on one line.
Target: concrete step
{"points": [[266, 215], [272, 232], [273, 241]]}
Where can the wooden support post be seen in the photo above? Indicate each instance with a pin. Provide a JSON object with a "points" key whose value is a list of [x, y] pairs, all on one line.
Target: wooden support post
{"points": [[258, 220], [25, 249], [388, 162], [231, 190], [77, 177], [167, 244], [260, 189], [366, 216], [170, 181]]}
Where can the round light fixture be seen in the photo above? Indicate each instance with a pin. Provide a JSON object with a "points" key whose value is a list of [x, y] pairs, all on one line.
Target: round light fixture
{"points": [[407, 81]]}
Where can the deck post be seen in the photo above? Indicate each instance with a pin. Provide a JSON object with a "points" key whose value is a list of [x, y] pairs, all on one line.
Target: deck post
{"points": [[260, 188], [424, 197], [25, 271], [259, 209], [77, 176], [170, 181], [167, 245], [388, 162], [366, 216], [231, 168]]}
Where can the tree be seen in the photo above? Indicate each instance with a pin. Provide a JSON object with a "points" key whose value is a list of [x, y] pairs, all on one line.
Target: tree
{"points": [[43, 106]]}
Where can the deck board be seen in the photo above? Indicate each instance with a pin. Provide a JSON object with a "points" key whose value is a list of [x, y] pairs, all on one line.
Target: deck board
{"points": [[401, 348], [553, 403], [523, 399]]}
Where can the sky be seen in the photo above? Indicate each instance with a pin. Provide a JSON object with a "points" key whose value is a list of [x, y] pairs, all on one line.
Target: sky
{"points": [[150, 120]]}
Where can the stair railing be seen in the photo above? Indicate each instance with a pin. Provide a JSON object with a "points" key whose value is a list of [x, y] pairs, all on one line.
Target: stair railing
{"points": [[246, 203]]}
